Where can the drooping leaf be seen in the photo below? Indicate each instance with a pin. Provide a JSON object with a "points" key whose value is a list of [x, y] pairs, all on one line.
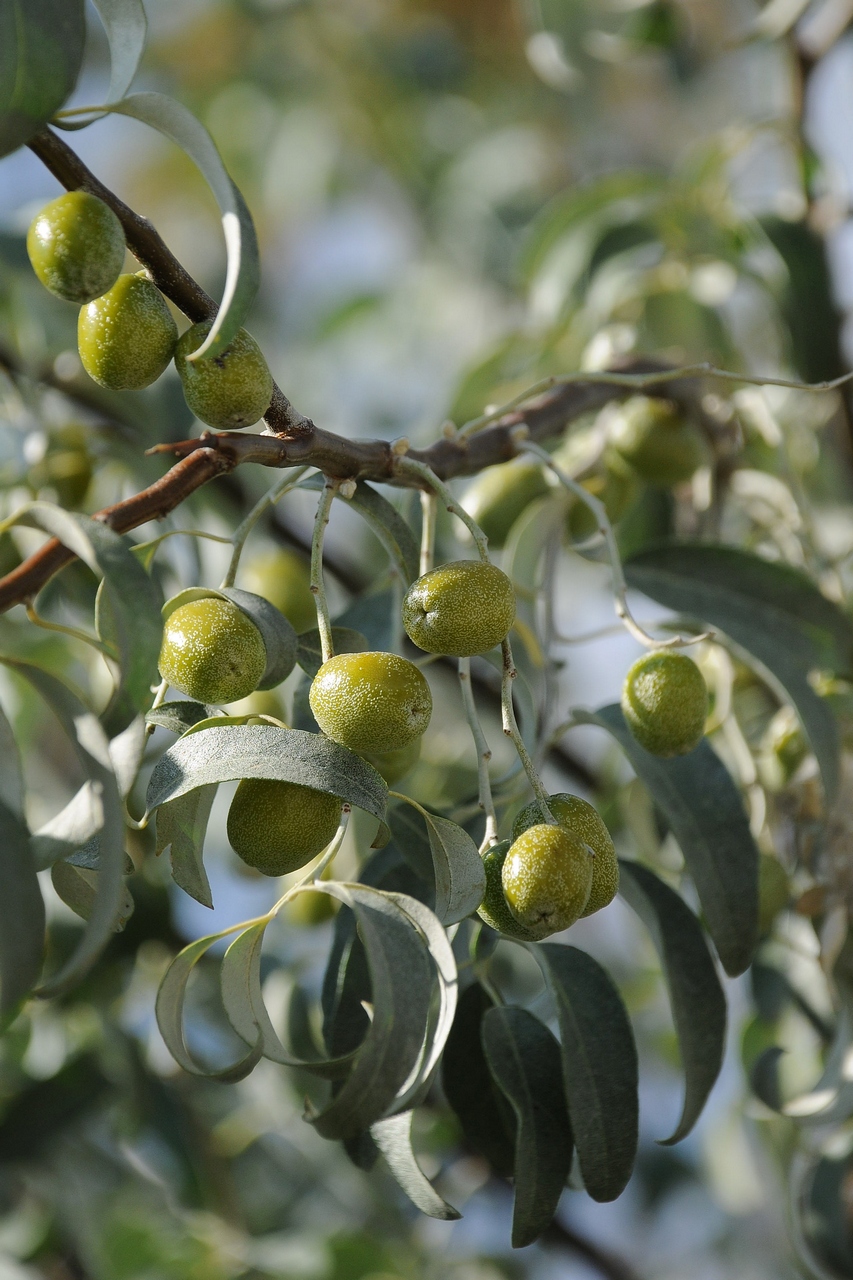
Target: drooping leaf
{"points": [[386, 522], [599, 1067], [697, 999], [524, 1059], [181, 828], [408, 831], [41, 52], [126, 27], [393, 1137], [706, 815], [486, 1118], [772, 611], [22, 917], [460, 880], [177, 717]]}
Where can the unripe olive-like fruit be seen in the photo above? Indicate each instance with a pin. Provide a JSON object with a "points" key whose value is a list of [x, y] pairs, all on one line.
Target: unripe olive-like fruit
{"points": [[499, 495], [655, 439], [76, 246], [126, 338], [371, 701], [616, 489], [783, 749], [212, 652], [394, 765], [66, 466], [276, 827], [494, 909], [227, 391], [546, 878], [461, 608], [665, 702], [283, 577], [774, 891], [580, 817]]}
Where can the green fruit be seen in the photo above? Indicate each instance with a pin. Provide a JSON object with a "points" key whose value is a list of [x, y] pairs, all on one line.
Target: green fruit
{"points": [[228, 391], [499, 495], [394, 765], [76, 246], [665, 702], [580, 817], [66, 466], [774, 892], [126, 338], [212, 652], [284, 578], [460, 609], [371, 701], [546, 878], [783, 749], [655, 439], [276, 827], [494, 909], [616, 489]]}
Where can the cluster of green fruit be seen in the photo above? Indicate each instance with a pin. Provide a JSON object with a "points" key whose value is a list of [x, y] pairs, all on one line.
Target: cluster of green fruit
{"points": [[126, 334]]}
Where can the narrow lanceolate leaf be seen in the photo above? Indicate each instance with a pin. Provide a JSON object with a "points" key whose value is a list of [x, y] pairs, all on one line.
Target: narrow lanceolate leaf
{"points": [[21, 905], [41, 51], [706, 815], [460, 880], [92, 750], [599, 1067], [697, 999], [228, 752], [181, 828], [393, 1137], [772, 611], [126, 27], [242, 275], [524, 1059], [486, 1118], [78, 888], [386, 522], [177, 717], [73, 826]]}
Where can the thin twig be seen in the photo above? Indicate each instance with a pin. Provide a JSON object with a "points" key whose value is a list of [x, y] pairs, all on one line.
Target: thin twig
{"points": [[429, 511], [484, 755], [511, 729], [241, 533], [318, 587], [409, 466]]}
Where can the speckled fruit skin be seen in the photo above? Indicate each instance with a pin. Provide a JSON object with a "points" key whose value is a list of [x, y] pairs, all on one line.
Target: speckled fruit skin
{"points": [[76, 246], [212, 652], [394, 765], [493, 910], [500, 494], [229, 391], [655, 439], [371, 701], [546, 878], [460, 609], [665, 702], [580, 817], [126, 338], [276, 827], [283, 577]]}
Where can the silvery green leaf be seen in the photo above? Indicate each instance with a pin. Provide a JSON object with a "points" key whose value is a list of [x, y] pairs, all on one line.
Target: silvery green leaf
{"points": [[697, 999], [599, 1066], [460, 880], [126, 751], [393, 1137], [72, 827], [181, 828], [78, 888], [126, 27], [487, 1120], [706, 815], [524, 1059], [177, 717], [89, 856], [309, 653], [229, 752], [41, 52]]}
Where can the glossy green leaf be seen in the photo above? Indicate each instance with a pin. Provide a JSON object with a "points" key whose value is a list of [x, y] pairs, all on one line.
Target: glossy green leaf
{"points": [[524, 1059], [393, 1137], [41, 52], [460, 880], [181, 828], [706, 815], [486, 1118], [385, 521], [599, 1067], [697, 999], [771, 610], [126, 27]]}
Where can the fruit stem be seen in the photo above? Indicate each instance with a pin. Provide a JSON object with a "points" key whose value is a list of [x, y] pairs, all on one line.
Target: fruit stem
{"points": [[511, 729], [620, 587], [429, 511], [241, 533], [330, 852], [408, 466], [318, 588], [484, 755]]}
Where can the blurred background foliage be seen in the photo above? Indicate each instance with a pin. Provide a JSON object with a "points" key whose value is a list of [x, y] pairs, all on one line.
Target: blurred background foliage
{"points": [[454, 199]]}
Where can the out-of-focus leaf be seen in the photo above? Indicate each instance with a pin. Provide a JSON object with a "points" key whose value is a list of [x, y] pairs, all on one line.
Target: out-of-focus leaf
{"points": [[460, 880], [126, 27], [393, 1137], [43, 1112], [177, 717], [697, 999], [372, 616], [78, 888], [181, 828], [21, 905], [706, 815], [41, 52], [309, 653], [126, 751], [72, 827], [524, 1059], [599, 1067], [772, 611], [386, 522], [486, 1119], [808, 298]]}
